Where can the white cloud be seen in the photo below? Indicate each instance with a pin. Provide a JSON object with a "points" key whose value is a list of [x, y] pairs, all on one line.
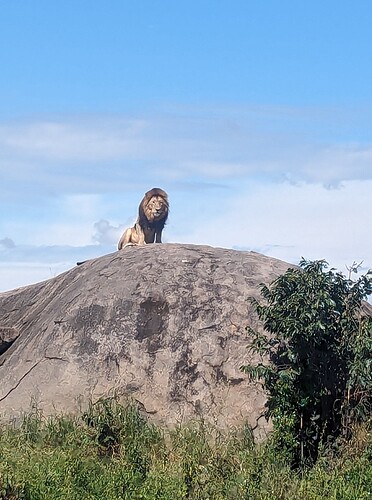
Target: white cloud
{"points": [[22, 274], [107, 234], [253, 177], [334, 164], [73, 140], [26, 264], [213, 170], [7, 243], [290, 221], [284, 220], [101, 154], [64, 220]]}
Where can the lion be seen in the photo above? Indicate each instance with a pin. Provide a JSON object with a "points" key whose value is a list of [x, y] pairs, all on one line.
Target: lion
{"points": [[152, 215]]}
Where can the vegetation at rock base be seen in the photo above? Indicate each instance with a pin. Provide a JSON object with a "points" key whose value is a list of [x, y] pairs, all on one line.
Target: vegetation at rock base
{"points": [[316, 357], [112, 452]]}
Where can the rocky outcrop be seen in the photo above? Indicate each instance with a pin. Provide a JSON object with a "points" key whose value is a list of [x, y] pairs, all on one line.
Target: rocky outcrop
{"points": [[164, 324]]}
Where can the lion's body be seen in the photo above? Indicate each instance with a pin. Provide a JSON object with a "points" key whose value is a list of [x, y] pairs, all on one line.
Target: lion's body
{"points": [[152, 215]]}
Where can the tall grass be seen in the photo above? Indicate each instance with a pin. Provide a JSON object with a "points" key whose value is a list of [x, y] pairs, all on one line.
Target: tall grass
{"points": [[112, 452]]}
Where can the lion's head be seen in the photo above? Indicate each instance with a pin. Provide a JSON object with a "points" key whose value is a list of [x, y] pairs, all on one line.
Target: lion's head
{"points": [[154, 206]]}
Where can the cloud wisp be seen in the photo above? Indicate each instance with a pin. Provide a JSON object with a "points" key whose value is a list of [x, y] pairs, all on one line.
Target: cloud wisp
{"points": [[278, 180], [100, 154]]}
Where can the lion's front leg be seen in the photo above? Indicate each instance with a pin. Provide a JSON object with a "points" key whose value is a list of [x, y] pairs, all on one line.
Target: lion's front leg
{"points": [[158, 237]]}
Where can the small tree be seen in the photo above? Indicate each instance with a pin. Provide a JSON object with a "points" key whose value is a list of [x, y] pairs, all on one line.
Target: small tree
{"points": [[316, 355]]}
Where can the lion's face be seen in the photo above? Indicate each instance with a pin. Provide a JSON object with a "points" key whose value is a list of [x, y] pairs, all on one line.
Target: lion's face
{"points": [[156, 209]]}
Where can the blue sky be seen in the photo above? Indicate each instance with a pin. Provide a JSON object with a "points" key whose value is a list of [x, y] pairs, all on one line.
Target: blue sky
{"points": [[254, 116]]}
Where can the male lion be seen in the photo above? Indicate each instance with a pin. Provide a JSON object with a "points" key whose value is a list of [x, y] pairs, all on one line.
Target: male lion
{"points": [[152, 215]]}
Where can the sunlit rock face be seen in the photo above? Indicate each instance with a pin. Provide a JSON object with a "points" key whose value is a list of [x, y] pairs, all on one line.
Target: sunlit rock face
{"points": [[162, 324]]}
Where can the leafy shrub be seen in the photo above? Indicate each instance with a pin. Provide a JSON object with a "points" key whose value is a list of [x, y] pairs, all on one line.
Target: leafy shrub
{"points": [[116, 428], [318, 342]]}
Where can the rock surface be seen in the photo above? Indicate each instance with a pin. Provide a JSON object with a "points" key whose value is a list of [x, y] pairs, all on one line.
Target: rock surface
{"points": [[164, 324]]}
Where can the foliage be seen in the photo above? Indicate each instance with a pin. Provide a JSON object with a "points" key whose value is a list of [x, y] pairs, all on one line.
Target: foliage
{"points": [[116, 429], [316, 356], [66, 457]]}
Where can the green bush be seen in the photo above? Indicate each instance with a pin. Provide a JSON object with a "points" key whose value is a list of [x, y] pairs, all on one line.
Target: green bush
{"points": [[316, 363]]}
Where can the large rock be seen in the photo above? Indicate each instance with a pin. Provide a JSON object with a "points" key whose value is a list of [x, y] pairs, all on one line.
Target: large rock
{"points": [[165, 324]]}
